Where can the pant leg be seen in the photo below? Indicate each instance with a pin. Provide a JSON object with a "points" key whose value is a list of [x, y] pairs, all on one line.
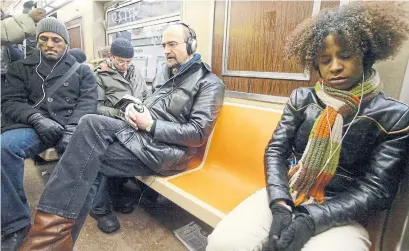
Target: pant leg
{"points": [[352, 237], [116, 186], [85, 156], [246, 228], [102, 202], [108, 190], [115, 155], [119, 162], [16, 146], [79, 222], [67, 189]]}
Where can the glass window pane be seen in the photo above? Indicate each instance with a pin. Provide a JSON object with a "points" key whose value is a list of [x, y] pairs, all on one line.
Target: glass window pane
{"points": [[142, 10]]}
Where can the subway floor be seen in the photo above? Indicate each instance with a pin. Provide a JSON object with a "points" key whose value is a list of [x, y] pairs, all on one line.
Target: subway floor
{"points": [[149, 227]]}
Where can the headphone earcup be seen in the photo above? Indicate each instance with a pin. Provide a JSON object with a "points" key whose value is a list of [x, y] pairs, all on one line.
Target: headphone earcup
{"points": [[193, 45], [188, 47]]}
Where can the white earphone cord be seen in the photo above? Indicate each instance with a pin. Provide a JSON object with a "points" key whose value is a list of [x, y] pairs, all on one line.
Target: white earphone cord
{"points": [[42, 85], [349, 126]]}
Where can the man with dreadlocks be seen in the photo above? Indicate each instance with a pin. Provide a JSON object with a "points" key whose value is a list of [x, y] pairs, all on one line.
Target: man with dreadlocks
{"points": [[350, 141]]}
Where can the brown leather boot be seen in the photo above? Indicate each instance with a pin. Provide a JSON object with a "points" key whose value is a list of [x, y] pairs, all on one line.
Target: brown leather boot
{"points": [[49, 232]]}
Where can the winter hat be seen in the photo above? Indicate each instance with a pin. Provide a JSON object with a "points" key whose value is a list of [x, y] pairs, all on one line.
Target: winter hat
{"points": [[121, 47], [78, 54], [51, 24]]}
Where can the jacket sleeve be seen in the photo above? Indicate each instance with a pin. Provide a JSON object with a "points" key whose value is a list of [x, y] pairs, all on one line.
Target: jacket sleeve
{"points": [[13, 29], [102, 109], [87, 101], [279, 150], [14, 95], [108, 111], [375, 190], [203, 116]]}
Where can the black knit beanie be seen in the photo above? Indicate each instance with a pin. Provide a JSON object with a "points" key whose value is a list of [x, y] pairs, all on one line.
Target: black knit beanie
{"points": [[121, 47]]}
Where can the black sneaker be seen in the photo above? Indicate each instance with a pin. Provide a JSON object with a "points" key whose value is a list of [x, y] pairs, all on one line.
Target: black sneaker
{"points": [[12, 242], [107, 223]]}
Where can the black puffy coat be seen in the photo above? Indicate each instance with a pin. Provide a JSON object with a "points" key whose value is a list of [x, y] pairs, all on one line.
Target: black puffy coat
{"points": [[372, 161]]}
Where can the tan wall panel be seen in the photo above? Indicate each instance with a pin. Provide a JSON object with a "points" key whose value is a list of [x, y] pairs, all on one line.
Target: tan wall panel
{"points": [[199, 15], [84, 9], [98, 30], [93, 16]]}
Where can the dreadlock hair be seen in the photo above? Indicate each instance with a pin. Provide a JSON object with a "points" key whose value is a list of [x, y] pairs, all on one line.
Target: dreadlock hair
{"points": [[373, 31]]}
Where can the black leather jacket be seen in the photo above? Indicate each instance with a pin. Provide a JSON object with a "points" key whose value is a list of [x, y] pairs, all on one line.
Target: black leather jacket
{"points": [[185, 107], [372, 161]]}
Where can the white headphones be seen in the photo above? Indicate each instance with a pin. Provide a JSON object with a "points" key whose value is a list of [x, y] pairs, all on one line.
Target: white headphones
{"points": [[42, 85]]}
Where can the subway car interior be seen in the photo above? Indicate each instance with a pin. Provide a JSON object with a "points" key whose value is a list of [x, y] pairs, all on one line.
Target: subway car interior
{"points": [[198, 125]]}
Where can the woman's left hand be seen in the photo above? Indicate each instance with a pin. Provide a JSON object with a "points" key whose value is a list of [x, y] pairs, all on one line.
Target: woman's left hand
{"points": [[297, 234]]}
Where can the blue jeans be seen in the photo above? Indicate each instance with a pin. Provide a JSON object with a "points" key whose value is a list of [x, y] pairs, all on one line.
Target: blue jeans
{"points": [[16, 146], [93, 149], [108, 189]]}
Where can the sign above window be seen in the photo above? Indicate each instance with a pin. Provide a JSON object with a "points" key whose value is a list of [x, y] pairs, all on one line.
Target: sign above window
{"points": [[143, 9]]}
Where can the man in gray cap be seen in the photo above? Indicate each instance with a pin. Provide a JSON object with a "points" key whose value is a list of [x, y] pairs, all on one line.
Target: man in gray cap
{"points": [[42, 100]]}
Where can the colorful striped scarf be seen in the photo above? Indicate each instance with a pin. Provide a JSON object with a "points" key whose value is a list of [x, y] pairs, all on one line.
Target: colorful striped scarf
{"points": [[319, 162]]}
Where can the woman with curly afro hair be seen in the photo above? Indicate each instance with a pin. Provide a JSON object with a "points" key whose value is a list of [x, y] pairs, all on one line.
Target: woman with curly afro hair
{"points": [[349, 141]]}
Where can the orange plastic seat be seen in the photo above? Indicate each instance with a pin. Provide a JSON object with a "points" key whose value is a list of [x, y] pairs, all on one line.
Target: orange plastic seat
{"points": [[232, 167]]}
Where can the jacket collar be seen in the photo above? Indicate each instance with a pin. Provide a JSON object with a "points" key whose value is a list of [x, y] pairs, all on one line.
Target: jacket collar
{"points": [[105, 69], [196, 58], [107, 66], [167, 70], [164, 76], [63, 65]]}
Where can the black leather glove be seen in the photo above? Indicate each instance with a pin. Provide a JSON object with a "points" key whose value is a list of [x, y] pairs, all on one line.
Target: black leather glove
{"points": [[47, 129], [297, 234], [66, 138], [282, 218]]}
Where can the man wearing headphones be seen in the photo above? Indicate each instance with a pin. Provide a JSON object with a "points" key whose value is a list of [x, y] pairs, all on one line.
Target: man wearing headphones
{"points": [[42, 100], [158, 136]]}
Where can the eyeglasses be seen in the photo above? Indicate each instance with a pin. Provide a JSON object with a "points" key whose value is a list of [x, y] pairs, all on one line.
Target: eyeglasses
{"points": [[122, 62], [171, 44]]}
